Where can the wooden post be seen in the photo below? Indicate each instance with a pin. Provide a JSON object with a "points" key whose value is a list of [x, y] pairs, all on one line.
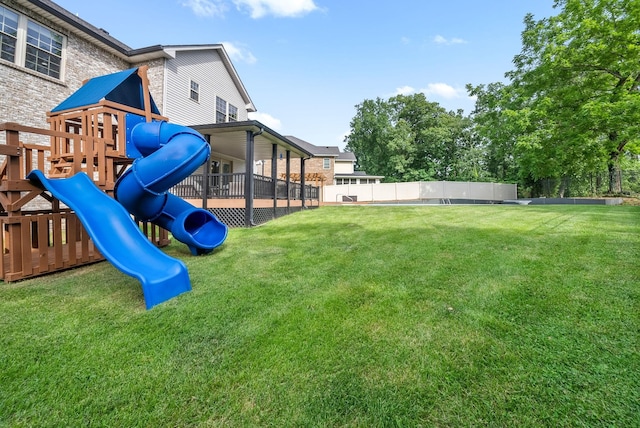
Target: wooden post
{"points": [[15, 242], [142, 72]]}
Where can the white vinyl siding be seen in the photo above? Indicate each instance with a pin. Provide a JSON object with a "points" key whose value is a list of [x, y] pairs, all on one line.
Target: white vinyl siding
{"points": [[206, 68], [342, 167]]}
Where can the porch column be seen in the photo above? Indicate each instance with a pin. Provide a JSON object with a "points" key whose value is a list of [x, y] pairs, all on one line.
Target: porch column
{"points": [[303, 182], [249, 183], [288, 180], [205, 175], [274, 177]]}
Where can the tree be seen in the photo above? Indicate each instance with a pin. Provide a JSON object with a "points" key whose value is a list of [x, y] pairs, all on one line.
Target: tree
{"points": [[408, 138], [573, 104], [496, 129]]}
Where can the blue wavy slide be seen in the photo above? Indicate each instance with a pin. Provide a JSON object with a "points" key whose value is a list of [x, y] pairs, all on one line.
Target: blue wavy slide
{"points": [[164, 154], [118, 237]]}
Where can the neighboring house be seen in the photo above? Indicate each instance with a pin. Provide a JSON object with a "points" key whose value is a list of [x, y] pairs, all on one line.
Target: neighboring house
{"points": [[320, 167], [345, 171], [46, 53], [327, 166]]}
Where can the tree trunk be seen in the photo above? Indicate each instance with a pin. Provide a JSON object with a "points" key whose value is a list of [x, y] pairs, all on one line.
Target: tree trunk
{"points": [[615, 177], [615, 183]]}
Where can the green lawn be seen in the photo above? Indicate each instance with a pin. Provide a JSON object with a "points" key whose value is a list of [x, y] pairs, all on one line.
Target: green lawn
{"points": [[347, 316]]}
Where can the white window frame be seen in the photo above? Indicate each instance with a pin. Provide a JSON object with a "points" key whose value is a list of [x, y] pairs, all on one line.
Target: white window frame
{"points": [[221, 111], [194, 91], [44, 49], [326, 163], [233, 113]]}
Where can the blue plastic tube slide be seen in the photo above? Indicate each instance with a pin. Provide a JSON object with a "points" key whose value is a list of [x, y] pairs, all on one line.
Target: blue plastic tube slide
{"points": [[168, 154]]}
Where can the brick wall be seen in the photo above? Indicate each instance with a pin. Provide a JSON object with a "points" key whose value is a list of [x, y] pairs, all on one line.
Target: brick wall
{"points": [[27, 95]]}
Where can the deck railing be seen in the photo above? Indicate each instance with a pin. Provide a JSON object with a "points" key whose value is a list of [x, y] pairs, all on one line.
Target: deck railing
{"points": [[231, 186], [38, 236]]}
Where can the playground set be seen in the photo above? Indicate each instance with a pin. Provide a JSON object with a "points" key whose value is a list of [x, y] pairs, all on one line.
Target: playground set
{"points": [[110, 156]]}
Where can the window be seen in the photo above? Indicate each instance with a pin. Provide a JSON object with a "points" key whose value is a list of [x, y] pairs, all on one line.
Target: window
{"points": [[194, 91], [29, 44], [221, 110], [44, 50], [233, 113], [346, 181], [8, 34], [326, 163]]}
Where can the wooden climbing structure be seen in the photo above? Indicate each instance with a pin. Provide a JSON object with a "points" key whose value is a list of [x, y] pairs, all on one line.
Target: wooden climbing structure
{"points": [[38, 234]]}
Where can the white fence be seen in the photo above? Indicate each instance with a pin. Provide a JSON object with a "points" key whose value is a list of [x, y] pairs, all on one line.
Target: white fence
{"points": [[420, 190]]}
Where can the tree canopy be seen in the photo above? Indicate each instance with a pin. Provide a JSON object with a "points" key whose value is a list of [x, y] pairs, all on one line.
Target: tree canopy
{"points": [[569, 108], [407, 138], [573, 102]]}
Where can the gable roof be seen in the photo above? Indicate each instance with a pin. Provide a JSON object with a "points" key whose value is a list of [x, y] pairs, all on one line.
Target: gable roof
{"points": [[316, 151], [124, 87], [101, 38], [172, 50], [347, 157]]}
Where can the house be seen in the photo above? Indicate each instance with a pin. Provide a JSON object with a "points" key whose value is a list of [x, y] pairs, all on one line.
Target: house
{"points": [[327, 166], [192, 85], [345, 172]]}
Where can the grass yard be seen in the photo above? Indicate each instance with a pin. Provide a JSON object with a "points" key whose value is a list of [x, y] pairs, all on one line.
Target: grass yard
{"points": [[347, 316]]}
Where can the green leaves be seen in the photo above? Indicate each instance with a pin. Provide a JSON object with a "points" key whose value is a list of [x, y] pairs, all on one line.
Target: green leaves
{"points": [[574, 99], [407, 138]]}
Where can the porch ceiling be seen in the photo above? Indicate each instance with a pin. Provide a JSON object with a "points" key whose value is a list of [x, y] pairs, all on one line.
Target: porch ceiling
{"points": [[230, 139]]}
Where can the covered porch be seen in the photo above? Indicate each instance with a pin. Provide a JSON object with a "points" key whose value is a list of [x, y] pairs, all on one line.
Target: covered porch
{"points": [[233, 184]]}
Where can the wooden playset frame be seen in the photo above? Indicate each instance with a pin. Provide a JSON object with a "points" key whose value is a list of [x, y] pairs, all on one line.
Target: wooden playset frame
{"points": [[37, 240]]}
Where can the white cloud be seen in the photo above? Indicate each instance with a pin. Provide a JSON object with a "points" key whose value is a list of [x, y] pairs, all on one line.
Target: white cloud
{"points": [[266, 119], [405, 90], [239, 53], [441, 40], [278, 8], [206, 8], [443, 90], [405, 40]]}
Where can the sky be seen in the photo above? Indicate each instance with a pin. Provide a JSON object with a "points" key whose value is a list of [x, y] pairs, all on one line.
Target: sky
{"points": [[307, 64]]}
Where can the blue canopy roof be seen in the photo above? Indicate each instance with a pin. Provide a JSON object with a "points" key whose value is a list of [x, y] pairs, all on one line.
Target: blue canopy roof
{"points": [[124, 87]]}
